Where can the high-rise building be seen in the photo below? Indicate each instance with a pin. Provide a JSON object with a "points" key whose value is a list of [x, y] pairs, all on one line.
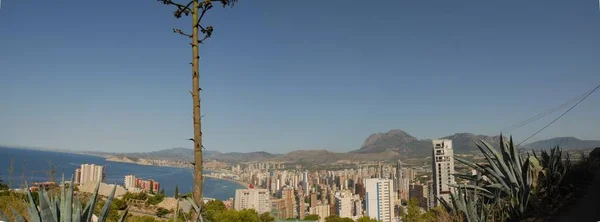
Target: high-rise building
{"points": [[401, 181], [90, 173], [409, 174], [257, 199], [313, 199], [379, 170], [443, 170], [379, 198], [322, 210], [301, 207], [130, 182], [344, 203], [289, 201], [305, 182], [419, 192], [430, 195], [77, 179]]}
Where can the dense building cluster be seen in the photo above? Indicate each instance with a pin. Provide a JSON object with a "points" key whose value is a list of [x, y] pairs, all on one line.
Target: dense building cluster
{"points": [[374, 191]]}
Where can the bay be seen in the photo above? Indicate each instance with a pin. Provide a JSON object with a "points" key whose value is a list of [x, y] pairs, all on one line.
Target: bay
{"points": [[33, 165]]}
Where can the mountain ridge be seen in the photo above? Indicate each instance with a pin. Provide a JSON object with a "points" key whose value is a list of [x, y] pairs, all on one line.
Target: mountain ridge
{"points": [[390, 145]]}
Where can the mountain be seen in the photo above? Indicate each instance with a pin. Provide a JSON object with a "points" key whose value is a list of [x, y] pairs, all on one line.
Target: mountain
{"points": [[566, 143], [379, 146], [466, 142], [405, 144], [394, 140]]}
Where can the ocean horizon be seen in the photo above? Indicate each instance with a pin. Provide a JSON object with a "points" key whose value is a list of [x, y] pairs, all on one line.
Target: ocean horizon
{"points": [[32, 166]]}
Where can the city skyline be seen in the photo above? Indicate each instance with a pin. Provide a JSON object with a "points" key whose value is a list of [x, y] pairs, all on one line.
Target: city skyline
{"points": [[472, 66]]}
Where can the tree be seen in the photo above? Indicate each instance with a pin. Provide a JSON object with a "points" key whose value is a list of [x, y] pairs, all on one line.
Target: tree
{"points": [[213, 208], [365, 219], [311, 217], [156, 199], [246, 215], [197, 9], [414, 212], [162, 191], [120, 204], [161, 212], [266, 217], [336, 218], [176, 192]]}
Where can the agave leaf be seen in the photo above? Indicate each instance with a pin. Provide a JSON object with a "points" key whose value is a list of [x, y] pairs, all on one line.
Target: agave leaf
{"points": [[106, 206], [67, 202], [91, 204], [193, 204], [124, 216], [77, 213], [501, 161], [4, 217], [34, 214], [45, 211], [16, 215]]}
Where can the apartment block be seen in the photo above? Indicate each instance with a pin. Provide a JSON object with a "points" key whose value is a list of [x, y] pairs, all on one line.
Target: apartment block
{"points": [[257, 199], [90, 173], [379, 199], [322, 210], [443, 170]]}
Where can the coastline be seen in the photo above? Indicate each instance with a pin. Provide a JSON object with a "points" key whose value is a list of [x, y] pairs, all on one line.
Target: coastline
{"points": [[120, 160], [244, 184]]}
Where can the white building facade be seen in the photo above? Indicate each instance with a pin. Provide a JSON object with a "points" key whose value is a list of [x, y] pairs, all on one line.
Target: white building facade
{"points": [[379, 199], [257, 199], [443, 170], [91, 173]]}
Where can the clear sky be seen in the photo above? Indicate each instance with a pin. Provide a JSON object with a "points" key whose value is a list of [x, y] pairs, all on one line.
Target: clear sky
{"points": [[286, 75]]}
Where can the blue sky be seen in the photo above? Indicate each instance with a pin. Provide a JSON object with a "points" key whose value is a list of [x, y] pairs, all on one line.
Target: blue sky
{"points": [[286, 75]]}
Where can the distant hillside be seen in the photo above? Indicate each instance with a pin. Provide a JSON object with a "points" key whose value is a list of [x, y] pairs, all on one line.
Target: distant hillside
{"points": [[408, 145], [466, 142], [379, 146], [186, 154], [324, 156], [566, 143]]}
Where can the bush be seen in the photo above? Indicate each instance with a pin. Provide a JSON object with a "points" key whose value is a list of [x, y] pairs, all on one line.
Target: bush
{"points": [[154, 200], [135, 196], [161, 212]]}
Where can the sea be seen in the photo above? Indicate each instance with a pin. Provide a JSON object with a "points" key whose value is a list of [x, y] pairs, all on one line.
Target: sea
{"points": [[33, 165]]}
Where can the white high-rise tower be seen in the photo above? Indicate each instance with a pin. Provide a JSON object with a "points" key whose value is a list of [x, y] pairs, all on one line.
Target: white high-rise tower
{"points": [[443, 170], [379, 199]]}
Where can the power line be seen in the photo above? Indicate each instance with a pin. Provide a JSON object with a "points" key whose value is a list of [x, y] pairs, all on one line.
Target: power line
{"points": [[546, 126], [541, 115]]}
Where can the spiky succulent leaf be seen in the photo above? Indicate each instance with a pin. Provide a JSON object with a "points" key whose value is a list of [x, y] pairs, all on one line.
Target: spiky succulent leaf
{"points": [[106, 206], [67, 202], [34, 214], [46, 214], [4, 217], [77, 217], [124, 216], [89, 209], [17, 216]]}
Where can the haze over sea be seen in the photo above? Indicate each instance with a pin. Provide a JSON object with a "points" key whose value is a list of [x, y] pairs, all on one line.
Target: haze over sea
{"points": [[35, 164]]}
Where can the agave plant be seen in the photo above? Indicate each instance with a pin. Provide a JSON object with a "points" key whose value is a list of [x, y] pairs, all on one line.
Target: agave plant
{"points": [[554, 170], [508, 177], [197, 209], [469, 205], [64, 208]]}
